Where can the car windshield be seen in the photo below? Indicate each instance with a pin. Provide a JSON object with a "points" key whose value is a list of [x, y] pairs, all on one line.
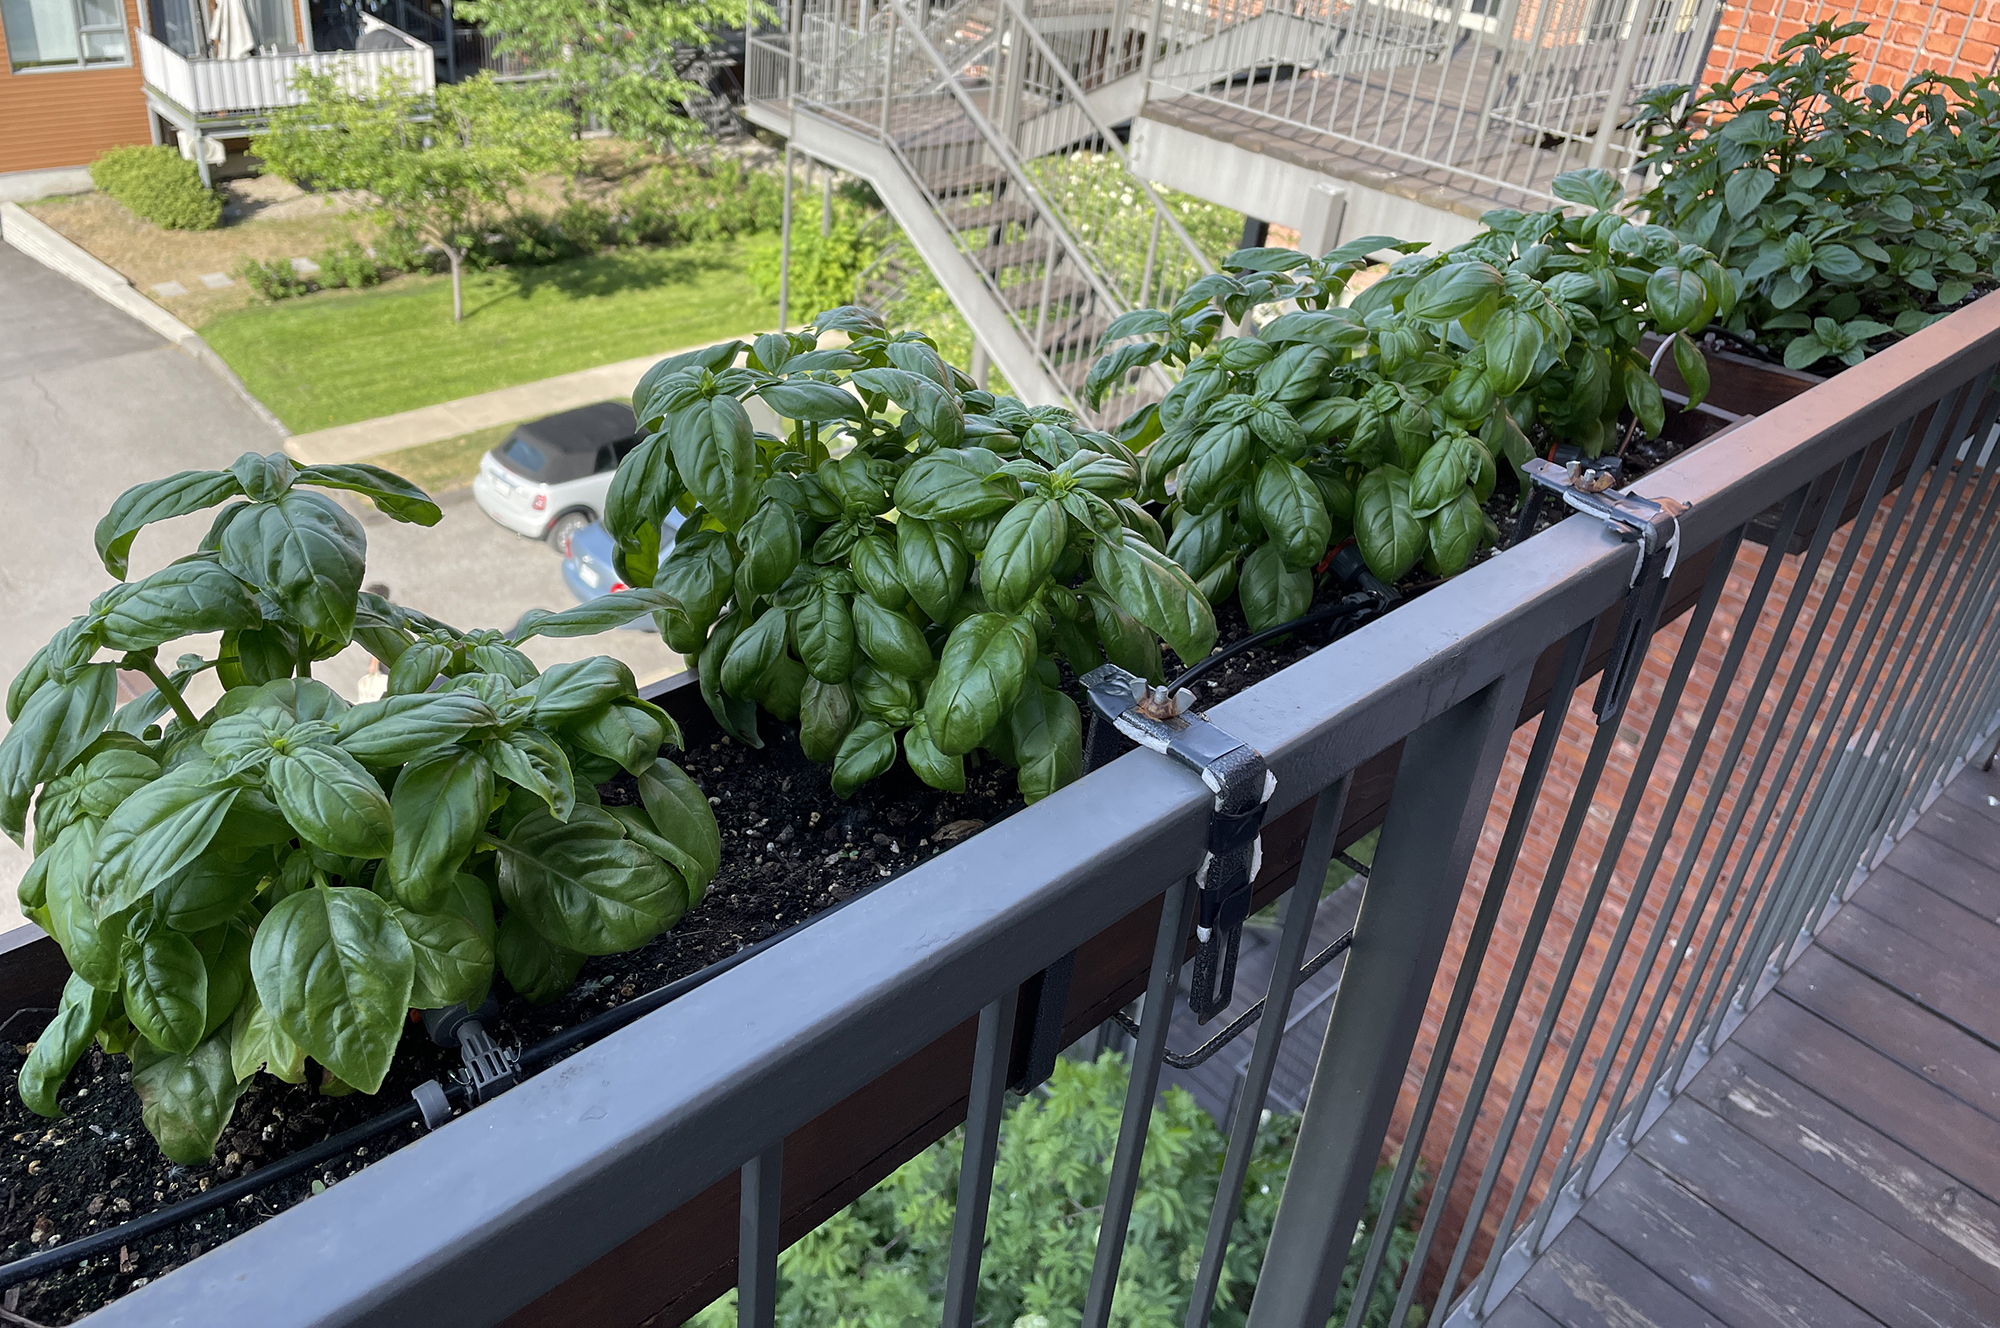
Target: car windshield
{"points": [[522, 456]]}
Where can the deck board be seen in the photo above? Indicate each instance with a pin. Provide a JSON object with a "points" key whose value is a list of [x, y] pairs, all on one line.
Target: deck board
{"points": [[1837, 1160]]}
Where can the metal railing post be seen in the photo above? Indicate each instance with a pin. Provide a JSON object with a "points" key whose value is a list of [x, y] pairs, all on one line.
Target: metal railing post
{"points": [[1448, 769], [757, 1239]]}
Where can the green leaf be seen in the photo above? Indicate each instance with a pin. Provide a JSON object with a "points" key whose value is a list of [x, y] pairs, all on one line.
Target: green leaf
{"points": [[1048, 741], [753, 652], [1804, 352], [1746, 189], [576, 688], [1677, 299], [1454, 291], [157, 500], [331, 801], [62, 1043], [71, 894], [593, 615], [186, 1100], [225, 952], [1441, 476], [306, 553], [931, 765], [876, 572], [823, 628], [1216, 458], [437, 809], [335, 970], [1111, 368], [932, 563], [947, 486], [891, 640], [770, 544], [1270, 591], [1642, 394], [182, 599], [865, 753], [643, 490], [1152, 588], [56, 724], [1126, 641], [622, 733], [532, 760], [717, 457], [826, 713], [166, 989], [805, 399], [986, 661], [1693, 369], [698, 572], [1022, 551], [1389, 534], [536, 969], [736, 716], [453, 961], [1592, 188], [257, 1043], [393, 494], [584, 886], [1513, 340], [156, 832], [398, 729], [1293, 514], [681, 815], [1454, 533], [207, 892]]}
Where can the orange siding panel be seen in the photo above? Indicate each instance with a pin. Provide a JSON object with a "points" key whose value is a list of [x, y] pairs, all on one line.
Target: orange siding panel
{"points": [[68, 119]]}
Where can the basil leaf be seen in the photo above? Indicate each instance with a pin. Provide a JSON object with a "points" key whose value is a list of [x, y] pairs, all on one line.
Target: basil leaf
{"points": [[1389, 534], [393, 494], [986, 661], [186, 1100], [1125, 639], [1678, 299], [945, 486], [643, 490], [805, 399], [716, 455], [1642, 394], [826, 713], [1442, 475], [306, 553], [770, 544], [1152, 588], [534, 761], [70, 893], [257, 1043], [437, 809], [1293, 514], [576, 688], [62, 1043], [1512, 340], [876, 572], [533, 967], [1271, 591], [398, 729], [225, 953], [1112, 368], [331, 801], [933, 565], [207, 892], [1022, 551], [453, 962], [736, 716], [156, 832], [865, 753], [56, 724], [157, 500], [1048, 741], [593, 615], [890, 639], [1453, 291], [166, 989], [182, 599], [584, 886], [1454, 533], [753, 652], [823, 627], [681, 814], [335, 970], [698, 572], [1693, 369], [1216, 458]]}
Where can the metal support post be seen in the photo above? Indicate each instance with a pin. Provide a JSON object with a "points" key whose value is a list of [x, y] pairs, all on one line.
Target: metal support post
{"points": [[757, 1239], [785, 247], [975, 1172], [1448, 770]]}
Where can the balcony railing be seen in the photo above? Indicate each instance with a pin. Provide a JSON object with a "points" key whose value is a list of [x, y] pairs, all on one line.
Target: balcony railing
{"points": [[260, 82]]}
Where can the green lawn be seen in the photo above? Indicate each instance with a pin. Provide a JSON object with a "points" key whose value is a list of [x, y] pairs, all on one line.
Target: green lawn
{"points": [[340, 357]]}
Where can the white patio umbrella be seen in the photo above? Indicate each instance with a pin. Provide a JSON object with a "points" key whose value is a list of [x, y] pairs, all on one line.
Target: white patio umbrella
{"points": [[229, 30]]}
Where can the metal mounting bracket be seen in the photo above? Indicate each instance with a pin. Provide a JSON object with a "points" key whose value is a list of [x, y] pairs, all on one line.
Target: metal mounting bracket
{"points": [[1656, 528], [1236, 773]]}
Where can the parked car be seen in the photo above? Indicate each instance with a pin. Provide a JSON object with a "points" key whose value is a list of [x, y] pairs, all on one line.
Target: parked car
{"points": [[588, 568], [550, 478]]}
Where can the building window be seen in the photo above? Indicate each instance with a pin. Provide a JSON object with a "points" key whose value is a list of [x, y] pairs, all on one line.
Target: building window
{"points": [[64, 34]]}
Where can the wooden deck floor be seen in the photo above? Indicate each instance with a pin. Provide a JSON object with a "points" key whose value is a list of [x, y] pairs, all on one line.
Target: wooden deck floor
{"points": [[1838, 1161]]}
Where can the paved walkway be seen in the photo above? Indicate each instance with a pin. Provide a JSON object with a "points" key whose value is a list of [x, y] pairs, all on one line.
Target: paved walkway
{"points": [[449, 419]]}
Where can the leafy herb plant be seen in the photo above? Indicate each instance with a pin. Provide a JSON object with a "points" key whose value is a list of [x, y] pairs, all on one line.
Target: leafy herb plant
{"points": [[286, 875], [902, 571], [1385, 419], [1851, 214]]}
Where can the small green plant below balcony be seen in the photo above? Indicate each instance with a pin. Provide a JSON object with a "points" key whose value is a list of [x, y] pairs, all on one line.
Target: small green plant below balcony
{"points": [[285, 876]]}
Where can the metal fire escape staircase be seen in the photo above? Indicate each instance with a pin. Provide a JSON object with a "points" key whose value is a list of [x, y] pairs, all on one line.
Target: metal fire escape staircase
{"points": [[1001, 169]]}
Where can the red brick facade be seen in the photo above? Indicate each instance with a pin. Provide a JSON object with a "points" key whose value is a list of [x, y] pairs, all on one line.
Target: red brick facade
{"points": [[1956, 37]]}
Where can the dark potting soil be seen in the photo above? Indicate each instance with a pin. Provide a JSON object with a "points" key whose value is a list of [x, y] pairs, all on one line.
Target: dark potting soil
{"points": [[791, 850]]}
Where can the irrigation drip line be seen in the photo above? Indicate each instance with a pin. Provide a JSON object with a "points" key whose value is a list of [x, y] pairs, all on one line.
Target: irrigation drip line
{"points": [[1235, 1028], [1351, 606]]}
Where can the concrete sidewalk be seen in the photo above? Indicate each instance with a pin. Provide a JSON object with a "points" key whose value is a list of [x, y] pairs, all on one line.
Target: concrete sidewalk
{"points": [[449, 419]]}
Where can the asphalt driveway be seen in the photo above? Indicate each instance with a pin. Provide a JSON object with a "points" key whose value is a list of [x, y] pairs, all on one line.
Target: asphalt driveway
{"points": [[92, 402]]}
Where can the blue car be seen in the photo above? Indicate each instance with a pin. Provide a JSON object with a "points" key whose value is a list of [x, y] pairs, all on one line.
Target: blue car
{"points": [[588, 568]]}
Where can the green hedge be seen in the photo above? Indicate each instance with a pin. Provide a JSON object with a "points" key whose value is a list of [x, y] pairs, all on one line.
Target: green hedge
{"points": [[160, 185]]}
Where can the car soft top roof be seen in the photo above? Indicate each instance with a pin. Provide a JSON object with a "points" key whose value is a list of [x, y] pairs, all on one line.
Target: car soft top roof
{"points": [[584, 429]]}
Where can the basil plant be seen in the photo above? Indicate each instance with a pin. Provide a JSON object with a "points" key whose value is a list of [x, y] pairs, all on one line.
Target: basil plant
{"points": [[901, 571], [1385, 419], [286, 875]]}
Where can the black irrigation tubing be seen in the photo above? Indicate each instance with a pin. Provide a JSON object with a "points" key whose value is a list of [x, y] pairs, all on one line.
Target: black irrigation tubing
{"points": [[548, 1049], [1348, 607], [1236, 1026]]}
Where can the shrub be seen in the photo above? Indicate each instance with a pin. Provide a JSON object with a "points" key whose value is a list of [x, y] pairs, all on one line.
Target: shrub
{"points": [[347, 265], [825, 268], [275, 280], [159, 184], [687, 200], [398, 249], [287, 875]]}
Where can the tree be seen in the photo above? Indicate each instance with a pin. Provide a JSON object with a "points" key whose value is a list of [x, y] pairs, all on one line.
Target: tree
{"points": [[613, 59], [881, 1261], [438, 165]]}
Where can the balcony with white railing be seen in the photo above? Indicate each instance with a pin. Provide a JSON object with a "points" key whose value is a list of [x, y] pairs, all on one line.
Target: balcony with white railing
{"points": [[218, 89]]}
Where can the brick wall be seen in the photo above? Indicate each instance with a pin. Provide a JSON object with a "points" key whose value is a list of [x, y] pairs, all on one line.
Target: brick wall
{"points": [[1803, 655], [1956, 37]]}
